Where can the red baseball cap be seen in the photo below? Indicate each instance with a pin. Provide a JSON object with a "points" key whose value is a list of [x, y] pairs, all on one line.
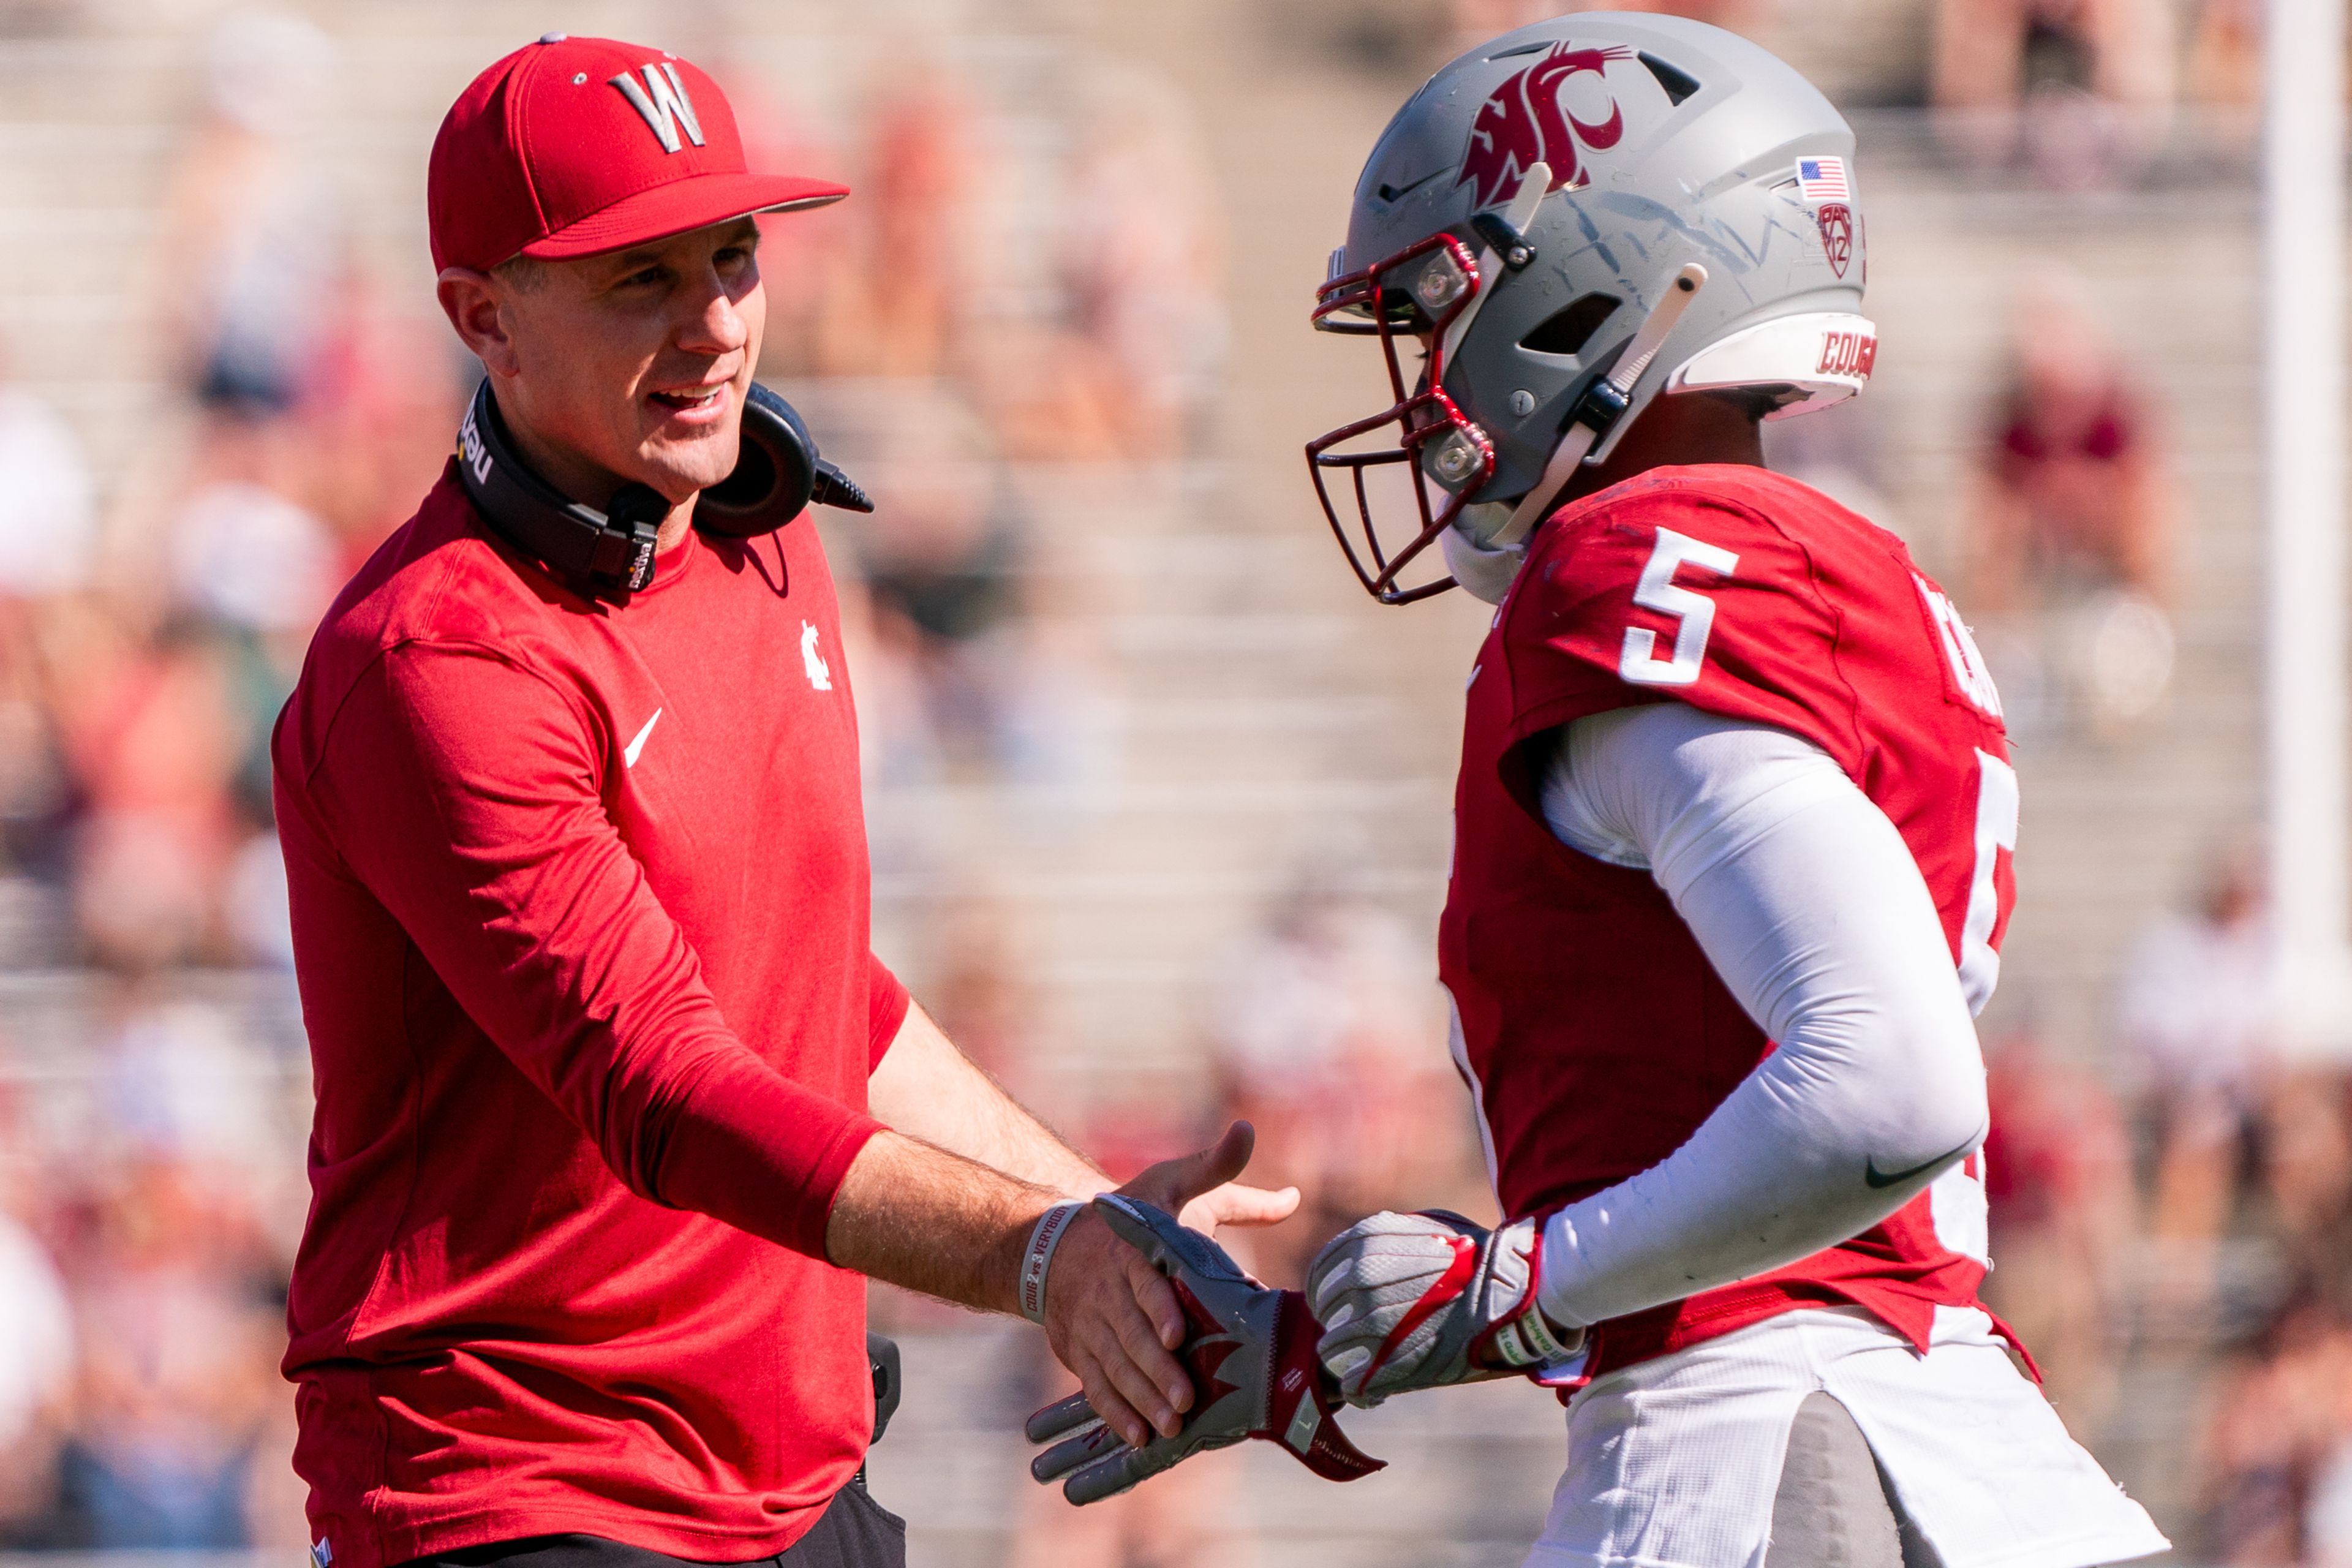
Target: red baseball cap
{"points": [[573, 146]]}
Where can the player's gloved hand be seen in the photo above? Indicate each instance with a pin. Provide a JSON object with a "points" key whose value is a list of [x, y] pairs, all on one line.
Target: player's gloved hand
{"points": [[1250, 1350], [1416, 1300]]}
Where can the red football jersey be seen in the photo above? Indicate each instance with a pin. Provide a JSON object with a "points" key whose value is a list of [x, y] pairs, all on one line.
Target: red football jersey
{"points": [[1593, 1032]]}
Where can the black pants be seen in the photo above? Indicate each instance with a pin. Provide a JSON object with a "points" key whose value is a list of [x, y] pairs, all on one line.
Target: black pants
{"points": [[855, 1532]]}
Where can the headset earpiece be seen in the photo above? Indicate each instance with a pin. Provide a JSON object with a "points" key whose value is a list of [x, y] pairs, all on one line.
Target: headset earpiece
{"points": [[776, 477]]}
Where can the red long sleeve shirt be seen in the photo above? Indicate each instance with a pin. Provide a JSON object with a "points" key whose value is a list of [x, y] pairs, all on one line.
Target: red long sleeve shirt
{"points": [[580, 895]]}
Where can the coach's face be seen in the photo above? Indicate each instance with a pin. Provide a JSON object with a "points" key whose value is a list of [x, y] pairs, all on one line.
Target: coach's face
{"points": [[631, 365]]}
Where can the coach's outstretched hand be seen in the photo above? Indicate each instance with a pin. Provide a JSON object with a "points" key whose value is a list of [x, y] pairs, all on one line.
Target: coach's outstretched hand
{"points": [[1249, 1349], [1112, 1318]]}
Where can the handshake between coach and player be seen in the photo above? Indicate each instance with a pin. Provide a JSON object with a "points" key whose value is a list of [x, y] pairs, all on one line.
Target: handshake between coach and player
{"points": [[1393, 1303]]}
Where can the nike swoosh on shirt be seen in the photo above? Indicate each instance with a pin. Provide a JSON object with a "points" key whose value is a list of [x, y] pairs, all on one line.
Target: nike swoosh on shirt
{"points": [[1878, 1178], [629, 753]]}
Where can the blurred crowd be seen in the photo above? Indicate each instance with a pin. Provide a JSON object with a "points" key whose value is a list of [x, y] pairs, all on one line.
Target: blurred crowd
{"points": [[2196, 1202]]}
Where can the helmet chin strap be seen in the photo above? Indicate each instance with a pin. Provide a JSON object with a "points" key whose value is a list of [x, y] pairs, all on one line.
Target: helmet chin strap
{"points": [[1602, 405]]}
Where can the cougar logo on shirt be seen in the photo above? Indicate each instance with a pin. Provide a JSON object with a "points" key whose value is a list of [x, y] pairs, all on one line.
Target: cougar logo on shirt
{"points": [[1524, 124], [820, 674]]}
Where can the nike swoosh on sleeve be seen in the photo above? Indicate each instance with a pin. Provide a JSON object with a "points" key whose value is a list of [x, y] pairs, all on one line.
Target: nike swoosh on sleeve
{"points": [[1878, 1178], [629, 753]]}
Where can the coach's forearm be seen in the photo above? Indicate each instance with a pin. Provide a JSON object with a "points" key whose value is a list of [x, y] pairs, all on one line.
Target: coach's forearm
{"points": [[928, 1088], [933, 1221]]}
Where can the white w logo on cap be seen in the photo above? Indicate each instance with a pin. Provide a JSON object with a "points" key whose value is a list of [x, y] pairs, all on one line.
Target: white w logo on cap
{"points": [[666, 107]]}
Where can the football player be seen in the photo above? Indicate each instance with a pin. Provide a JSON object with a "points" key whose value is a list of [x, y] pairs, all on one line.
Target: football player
{"points": [[1733, 839]]}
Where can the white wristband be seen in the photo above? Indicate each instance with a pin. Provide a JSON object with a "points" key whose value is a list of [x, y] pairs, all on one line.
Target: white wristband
{"points": [[1039, 1256], [1529, 1340]]}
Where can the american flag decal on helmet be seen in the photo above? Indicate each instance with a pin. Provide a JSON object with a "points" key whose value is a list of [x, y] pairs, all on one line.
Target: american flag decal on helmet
{"points": [[1823, 180]]}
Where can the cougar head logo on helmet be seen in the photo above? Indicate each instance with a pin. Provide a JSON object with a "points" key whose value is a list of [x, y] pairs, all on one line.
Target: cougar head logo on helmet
{"points": [[1564, 224], [1524, 123]]}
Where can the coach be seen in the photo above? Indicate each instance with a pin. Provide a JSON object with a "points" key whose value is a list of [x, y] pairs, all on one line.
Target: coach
{"points": [[580, 894]]}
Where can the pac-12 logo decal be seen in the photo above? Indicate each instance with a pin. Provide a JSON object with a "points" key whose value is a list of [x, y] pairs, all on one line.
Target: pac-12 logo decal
{"points": [[1524, 124], [1837, 234]]}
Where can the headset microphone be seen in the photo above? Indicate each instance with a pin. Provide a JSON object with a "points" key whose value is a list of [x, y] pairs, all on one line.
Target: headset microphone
{"points": [[776, 477]]}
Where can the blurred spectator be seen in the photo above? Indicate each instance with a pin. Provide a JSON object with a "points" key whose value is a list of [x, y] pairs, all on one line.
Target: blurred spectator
{"points": [[154, 736], [2195, 1012], [259, 919], [36, 1331], [2327, 1515], [979, 991], [2194, 1020], [247, 250], [2225, 54], [2306, 1171], [37, 1363], [176, 1372], [173, 1234], [2072, 528], [2076, 90], [2058, 1177], [1126, 366], [802, 255], [242, 555], [1475, 21], [949, 624], [379, 408], [898, 302], [1329, 1039], [2274, 1445], [49, 515], [48, 547]]}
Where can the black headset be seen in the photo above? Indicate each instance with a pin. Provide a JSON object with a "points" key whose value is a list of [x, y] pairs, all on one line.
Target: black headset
{"points": [[776, 477]]}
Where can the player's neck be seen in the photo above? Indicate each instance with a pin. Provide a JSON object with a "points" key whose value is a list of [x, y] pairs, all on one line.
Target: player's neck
{"points": [[1672, 431]]}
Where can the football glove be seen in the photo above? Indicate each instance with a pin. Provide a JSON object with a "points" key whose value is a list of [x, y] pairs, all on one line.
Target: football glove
{"points": [[1417, 1301], [1250, 1350]]}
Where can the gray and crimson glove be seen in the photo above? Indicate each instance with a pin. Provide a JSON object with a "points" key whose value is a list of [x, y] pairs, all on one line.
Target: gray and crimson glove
{"points": [[1417, 1301], [1251, 1354]]}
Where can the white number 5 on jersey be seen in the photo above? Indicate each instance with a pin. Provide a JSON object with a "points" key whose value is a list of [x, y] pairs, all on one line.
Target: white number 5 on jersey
{"points": [[1640, 664]]}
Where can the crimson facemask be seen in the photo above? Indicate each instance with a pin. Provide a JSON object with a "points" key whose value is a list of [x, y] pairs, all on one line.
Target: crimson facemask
{"points": [[1417, 296]]}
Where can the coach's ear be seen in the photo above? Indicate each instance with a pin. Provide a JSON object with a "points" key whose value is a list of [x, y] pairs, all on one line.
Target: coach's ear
{"points": [[471, 301]]}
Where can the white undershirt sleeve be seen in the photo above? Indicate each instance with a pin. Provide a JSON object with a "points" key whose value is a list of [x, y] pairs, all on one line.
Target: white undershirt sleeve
{"points": [[1808, 905]]}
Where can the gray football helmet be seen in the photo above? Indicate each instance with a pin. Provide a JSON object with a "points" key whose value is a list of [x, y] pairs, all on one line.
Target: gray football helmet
{"points": [[1567, 222]]}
